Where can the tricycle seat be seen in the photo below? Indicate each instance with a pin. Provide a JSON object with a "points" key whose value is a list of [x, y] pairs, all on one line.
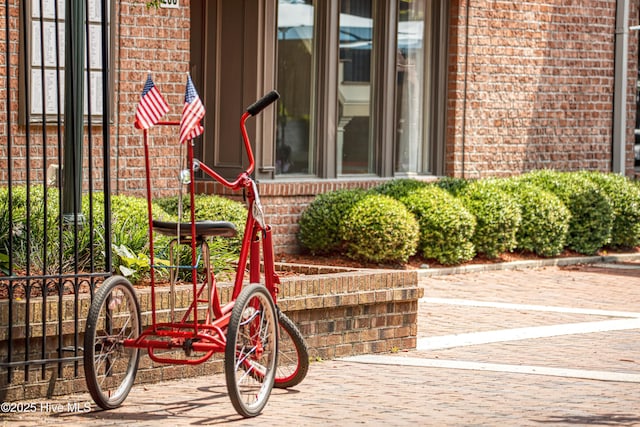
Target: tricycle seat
{"points": [[203, 228]]}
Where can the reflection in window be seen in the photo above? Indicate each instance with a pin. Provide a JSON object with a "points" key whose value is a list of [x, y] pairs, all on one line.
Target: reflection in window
{"points": [[410, 91], [355, 153], [294, 148]]}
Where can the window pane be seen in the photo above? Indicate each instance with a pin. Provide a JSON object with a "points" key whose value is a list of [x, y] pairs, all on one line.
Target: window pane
{"points": [[355, 154], [410, 118], [294, 146]]}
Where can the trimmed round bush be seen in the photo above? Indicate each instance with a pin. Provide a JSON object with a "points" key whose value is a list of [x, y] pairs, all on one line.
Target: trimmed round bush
{"points": [[380, 229], [591, 213], [497, 217], [320, 221], [452, 185], [624, 197], [399, 188], [446, 227], [545, 219]]}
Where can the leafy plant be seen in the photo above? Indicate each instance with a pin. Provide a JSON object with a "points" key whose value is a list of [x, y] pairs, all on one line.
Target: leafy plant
{"points": [[31, 229], [320, 224], [624, 197], [545, 219], [497, 217], [380, 229], [4, 263], [399, 188], [135, 266], [591, 212], [446, 227]]}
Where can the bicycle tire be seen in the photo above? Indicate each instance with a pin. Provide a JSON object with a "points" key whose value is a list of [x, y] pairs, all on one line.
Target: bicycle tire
{"points": [[293, 354], [252, 344], [109, 367]]}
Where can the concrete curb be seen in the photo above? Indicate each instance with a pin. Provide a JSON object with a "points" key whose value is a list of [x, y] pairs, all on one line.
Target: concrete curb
{"points": [[518, 265]]}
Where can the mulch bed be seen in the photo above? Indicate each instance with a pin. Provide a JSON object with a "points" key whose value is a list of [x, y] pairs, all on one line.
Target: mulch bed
{"points": [[334, 261]]}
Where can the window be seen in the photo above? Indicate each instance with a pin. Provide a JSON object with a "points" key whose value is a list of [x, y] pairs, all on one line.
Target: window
{"points": [[355, 142], [296, 46], [412, 83], [45, 59], [363, 86]]}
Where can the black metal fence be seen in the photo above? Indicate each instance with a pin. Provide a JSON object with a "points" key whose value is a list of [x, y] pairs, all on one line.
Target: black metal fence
{"points": [[55, 234]]}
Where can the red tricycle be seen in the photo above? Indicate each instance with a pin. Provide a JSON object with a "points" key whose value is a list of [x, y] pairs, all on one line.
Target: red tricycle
{"points": [[262, 347]]}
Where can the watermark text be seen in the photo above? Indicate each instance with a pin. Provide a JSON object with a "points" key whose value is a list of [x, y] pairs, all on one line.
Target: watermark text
{"points": [[48, 407]]}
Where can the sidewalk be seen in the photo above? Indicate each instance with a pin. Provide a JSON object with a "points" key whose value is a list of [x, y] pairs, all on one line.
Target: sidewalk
{"points": [[543, 346]]}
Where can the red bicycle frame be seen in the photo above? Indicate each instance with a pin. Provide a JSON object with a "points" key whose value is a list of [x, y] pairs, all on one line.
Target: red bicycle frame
{"points": [[208, 335]]}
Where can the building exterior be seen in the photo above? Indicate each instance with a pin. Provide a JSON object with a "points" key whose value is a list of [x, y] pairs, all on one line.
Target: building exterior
{"points": [[371, 90]]}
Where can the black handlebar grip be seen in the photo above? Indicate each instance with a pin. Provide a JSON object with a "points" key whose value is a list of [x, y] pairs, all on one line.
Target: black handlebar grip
{"points": [[263, 102]]}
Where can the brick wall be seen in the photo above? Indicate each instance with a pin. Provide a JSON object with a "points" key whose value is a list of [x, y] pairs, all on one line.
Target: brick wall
{"points": [[144, 40], [531, 86], [340, 312], [156, 41]]}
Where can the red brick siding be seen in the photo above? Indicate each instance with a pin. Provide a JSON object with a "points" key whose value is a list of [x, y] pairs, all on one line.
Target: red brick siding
{"points": [[531, 86], [156, 41]]}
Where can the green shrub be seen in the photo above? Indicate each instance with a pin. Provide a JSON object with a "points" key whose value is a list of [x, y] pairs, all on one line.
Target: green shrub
{"points": [[452, 185], [446, 227], [624, 197], [320, 222], [545, 219], [85, 245], [224, 250], [209, 207], [380, 229], [129, 225], [497, 217], [591, 213], [29, 246], [399, 188]]}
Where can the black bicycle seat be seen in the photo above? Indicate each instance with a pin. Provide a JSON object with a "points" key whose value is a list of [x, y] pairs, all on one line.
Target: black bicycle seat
{"points": [[203, 228]]}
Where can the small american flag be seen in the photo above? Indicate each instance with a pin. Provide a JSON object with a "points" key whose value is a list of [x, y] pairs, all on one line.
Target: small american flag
{"points": [[151, 107], [192, 113]]}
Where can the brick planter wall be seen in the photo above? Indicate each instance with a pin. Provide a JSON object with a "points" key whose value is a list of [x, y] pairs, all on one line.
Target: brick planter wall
{"points": [[340, 312]]}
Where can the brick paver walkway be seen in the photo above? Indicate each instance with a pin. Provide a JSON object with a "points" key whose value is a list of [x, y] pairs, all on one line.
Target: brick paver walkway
{"points": [[553, 346]]}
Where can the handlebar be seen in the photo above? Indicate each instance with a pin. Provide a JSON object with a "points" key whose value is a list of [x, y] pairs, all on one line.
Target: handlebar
{"points": [[252, 110], [263, 103]]}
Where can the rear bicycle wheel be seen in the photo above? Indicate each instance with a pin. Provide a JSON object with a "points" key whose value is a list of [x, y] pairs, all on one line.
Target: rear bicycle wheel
{"points": [[252, 346], [293, 354], [109, 367]]}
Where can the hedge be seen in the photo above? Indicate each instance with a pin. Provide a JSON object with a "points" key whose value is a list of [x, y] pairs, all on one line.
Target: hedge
{"points": [[446, 227], [320, 224], [380, 229], [497, 217], [591, 212]]}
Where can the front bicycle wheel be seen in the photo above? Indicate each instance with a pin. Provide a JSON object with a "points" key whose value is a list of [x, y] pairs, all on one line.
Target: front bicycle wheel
{"points": [[252, 345], [293, 355], [109, 367]]}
